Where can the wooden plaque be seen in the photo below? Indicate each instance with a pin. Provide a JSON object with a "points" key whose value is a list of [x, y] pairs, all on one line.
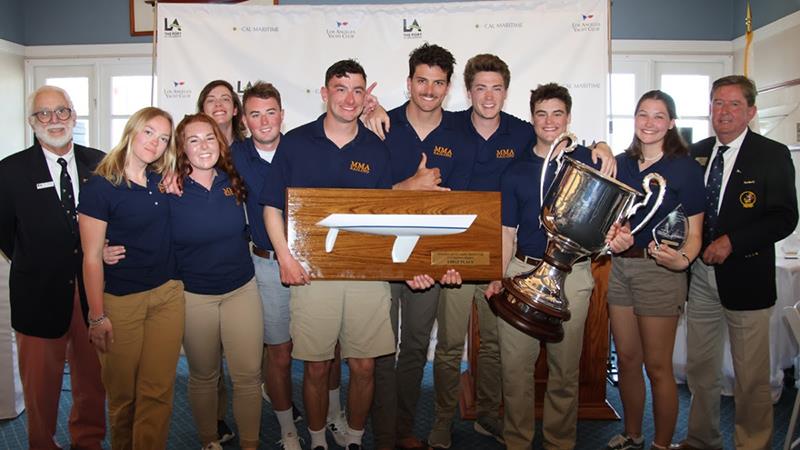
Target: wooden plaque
{"points": [[473, 247]]}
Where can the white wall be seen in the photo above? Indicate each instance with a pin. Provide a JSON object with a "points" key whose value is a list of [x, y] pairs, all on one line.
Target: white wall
{"points": [[12, 93], [776, 59]]}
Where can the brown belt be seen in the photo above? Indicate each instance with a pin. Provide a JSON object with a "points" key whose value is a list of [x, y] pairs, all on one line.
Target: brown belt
{"points": [[527, 259], [266, 254], [634, 252]]}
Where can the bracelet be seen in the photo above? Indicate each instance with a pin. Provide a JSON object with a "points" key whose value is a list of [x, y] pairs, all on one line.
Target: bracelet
{"points": [[688, 262], [93, 323]]}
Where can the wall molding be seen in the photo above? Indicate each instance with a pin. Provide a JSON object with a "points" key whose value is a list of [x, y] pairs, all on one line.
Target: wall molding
{"points": [[667, 47], [88, 51], [12, 48], [770, 30]]}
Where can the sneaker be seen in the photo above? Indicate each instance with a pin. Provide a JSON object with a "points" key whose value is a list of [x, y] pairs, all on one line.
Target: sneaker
{"points": [[296, 414], [439, 438], [338, 428], [490, 427], [625, 442], [290, 441], [212, 446], [224, 433]]}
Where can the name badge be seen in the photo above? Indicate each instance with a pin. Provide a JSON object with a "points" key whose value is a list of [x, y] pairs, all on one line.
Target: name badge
{"points": [[45, 185]]}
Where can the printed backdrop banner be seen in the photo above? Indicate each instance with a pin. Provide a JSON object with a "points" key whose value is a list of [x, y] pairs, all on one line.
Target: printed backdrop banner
{"points": [[291, 46]]}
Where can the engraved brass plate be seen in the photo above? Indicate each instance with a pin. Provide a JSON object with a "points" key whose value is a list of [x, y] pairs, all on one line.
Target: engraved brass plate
{"points": [[463, 258]]}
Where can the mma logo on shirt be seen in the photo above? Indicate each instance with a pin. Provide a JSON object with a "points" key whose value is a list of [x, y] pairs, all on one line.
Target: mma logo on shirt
{"points": [[228, 192], [505, 153], [442, 151], [357, 166]]}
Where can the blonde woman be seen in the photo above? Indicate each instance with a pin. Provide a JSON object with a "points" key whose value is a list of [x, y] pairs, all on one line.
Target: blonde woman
{"points": [[136, 307]]}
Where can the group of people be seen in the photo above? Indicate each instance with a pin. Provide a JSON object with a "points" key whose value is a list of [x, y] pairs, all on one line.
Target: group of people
{"points": [[176, 237]]}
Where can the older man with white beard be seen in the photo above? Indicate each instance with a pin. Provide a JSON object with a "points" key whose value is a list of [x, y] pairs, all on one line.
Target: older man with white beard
{"points": [[39, 234]]}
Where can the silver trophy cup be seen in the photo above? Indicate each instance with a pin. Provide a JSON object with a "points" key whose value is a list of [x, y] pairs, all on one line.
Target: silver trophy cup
{"points": [[578, 211]]}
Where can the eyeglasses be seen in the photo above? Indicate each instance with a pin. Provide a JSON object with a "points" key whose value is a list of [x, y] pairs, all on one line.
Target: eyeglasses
{"points": [[62, 113]]}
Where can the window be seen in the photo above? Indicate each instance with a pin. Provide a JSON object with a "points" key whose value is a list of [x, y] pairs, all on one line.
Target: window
{"points": [[686, 78], [105, 92]]}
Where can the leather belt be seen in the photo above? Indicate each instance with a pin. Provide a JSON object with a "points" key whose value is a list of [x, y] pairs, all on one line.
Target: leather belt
{"points": [[266, 254], [527, 259], [634, 252]]}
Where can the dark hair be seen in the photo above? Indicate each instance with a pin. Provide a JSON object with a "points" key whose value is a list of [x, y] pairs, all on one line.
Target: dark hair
{"points": [[551, 91], [224, 163], [237, 123], [745, 84], [262, 90], [673, 142], [344, 68], [431, 55], [485, 63]]}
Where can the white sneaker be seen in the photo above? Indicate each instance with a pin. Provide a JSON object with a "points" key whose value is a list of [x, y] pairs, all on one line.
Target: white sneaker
{"points": [[290, 441], [338, 428], [264, 394], [212, 446]]}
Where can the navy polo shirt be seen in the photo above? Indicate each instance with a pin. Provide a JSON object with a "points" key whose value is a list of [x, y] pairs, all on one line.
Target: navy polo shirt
{"points": [[684, 186], [307, 158], [209, 233], [253, 169], [138, 217], [446, 147], [520, 194], [512, 139]]}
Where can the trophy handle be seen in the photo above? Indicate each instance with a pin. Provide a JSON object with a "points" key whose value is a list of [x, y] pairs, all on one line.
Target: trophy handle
{"points": [[573, 142], [662, 188]]}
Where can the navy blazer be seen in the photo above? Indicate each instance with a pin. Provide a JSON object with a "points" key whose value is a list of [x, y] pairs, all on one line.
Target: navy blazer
{"points": [[37, 236], [759, 208]]}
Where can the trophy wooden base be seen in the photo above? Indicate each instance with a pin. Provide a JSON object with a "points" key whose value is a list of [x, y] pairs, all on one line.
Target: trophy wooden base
{"points": [[381, 234]]}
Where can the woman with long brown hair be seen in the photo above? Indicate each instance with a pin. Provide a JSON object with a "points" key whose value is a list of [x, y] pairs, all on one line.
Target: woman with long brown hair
{"points": [[223, 307], [648, 285]]}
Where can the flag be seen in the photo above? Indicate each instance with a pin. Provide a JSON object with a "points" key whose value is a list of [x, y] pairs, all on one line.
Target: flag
{"points": [[748, 58]]}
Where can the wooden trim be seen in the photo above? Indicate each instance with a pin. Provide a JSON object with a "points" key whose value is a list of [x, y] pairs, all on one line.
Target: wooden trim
{"points": [[776, 86], [147, 32]]}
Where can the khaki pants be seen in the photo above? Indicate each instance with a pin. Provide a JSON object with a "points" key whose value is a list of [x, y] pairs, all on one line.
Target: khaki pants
{"points": [[519, 352], [454, 310], [233, 322], [139, 368], [748, 332]]}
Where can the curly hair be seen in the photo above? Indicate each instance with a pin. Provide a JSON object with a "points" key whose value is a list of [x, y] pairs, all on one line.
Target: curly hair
{"points": [[224, 162], [431, 55], [551, 91]]}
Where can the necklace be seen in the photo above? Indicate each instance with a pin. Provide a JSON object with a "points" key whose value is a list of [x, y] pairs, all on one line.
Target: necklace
{"points": [[653, 158]]}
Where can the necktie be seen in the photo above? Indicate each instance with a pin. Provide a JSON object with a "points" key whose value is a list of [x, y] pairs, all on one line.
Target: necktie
{"points": [[67, 194], [713, 188]]}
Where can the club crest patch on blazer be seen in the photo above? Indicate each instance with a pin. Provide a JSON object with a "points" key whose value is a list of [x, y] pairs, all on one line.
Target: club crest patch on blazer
{"points": [[747, 199]]}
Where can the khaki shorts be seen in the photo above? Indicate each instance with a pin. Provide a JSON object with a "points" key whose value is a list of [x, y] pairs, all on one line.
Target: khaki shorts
{"points": [[650, 289], [354, 313]]}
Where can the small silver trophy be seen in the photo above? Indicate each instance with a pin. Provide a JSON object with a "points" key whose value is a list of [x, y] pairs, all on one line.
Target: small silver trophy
{"points": [[672, 230]]}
